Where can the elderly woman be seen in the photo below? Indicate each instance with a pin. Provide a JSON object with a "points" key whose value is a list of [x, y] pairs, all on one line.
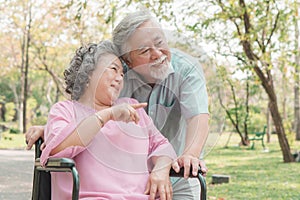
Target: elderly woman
{"points": [[118, 151]]}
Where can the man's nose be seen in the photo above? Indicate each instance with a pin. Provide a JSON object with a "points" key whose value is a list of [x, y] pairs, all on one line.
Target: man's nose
{"points": [[156, 53]]}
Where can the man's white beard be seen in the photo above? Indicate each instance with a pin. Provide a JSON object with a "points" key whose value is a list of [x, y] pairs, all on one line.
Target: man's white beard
{"points": [[160, 73]]}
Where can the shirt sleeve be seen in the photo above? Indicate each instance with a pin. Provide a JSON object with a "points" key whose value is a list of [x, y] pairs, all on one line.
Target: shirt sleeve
{"points": [[193, 93], [59, 126]]}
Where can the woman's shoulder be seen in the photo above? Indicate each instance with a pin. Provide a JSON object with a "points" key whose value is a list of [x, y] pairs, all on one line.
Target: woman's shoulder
{"points": [[65, 103], [62, 105]]}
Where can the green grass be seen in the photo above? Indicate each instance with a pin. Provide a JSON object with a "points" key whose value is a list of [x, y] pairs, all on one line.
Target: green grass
{"points": [[12, 141], [254, 174]]}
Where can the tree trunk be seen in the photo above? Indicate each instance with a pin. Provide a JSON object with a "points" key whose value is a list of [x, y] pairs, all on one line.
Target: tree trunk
{"points": [[25, 75], [269, 124], [297, 81], [267, 84], [2, 111], [20, 109], [247, 109], [235, 122], [283, 142]]}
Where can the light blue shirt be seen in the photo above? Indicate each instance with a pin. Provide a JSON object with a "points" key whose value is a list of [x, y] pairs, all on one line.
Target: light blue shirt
{"points": [[175, 99]]}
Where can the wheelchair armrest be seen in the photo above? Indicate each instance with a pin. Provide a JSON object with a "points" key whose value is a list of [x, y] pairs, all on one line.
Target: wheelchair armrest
{"points": [[57, 163], [61, 165], [199, 177]]}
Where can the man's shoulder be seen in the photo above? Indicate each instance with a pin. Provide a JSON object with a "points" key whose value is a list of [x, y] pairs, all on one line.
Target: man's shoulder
{"points": [[183, 62], [179, 54]]}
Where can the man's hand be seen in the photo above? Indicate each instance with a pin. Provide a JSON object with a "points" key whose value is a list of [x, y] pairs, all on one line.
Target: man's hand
{"points": [[188, 161], [33, 134]]}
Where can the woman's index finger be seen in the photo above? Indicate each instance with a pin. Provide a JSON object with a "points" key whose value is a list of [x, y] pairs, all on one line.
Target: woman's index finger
{"points": [[139, 105]]}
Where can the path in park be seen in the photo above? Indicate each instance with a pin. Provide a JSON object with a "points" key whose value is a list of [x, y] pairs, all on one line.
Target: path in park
{"points": [[16, 174]]}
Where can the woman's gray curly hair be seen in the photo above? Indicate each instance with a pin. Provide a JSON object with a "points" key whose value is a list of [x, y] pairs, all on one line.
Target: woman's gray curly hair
{"points": [[82, 65]]}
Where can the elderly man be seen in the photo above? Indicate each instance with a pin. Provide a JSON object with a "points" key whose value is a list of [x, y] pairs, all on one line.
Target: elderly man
{"points": [[172, 83]]}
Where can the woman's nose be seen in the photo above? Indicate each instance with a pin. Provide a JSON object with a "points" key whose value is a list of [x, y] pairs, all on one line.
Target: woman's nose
{"points": [[119, 77]]}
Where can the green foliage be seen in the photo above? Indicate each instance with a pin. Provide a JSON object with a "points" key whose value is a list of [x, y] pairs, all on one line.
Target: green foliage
{"points": [[6, 93], [41, 120], [14, 130], [235, 101], [10, 111], [256, 122]]}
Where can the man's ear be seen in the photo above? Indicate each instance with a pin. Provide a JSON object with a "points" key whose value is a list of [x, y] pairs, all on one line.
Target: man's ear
{"points": [[126, 61]]}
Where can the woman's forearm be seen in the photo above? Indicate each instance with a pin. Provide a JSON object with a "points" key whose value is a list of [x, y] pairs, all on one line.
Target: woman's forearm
{"points": [[162, 163], [85, 131]]}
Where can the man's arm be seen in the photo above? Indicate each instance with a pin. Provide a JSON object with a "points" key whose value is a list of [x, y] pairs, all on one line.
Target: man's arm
{"points": [[197, 132]]}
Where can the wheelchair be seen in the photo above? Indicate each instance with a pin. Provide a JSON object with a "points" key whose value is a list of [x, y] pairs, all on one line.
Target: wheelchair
{"points": [[42, 177]]}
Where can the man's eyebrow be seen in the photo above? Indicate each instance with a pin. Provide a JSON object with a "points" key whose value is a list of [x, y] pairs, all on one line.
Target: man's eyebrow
{"points": [[142, 47], [157, 37]]}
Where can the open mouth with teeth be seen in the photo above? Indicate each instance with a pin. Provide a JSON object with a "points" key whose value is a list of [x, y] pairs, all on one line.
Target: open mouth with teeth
{"points": [[159, 61]]}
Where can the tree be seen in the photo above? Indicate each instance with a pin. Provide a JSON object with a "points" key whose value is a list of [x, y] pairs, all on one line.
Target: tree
{"points": [[241, 92], [25, 66], [256, 37], [17, 22], [249, 33], [237, 109], [297, 78]]}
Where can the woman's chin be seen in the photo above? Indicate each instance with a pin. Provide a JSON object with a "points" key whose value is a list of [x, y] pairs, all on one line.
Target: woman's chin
{"points": [[114, 98]]}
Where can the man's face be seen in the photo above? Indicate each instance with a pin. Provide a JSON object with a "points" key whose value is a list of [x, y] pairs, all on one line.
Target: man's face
{"points": [[149, 52]]}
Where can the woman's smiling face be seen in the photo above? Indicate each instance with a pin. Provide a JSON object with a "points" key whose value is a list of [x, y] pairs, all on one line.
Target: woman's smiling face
{"points": [[107, 80]]}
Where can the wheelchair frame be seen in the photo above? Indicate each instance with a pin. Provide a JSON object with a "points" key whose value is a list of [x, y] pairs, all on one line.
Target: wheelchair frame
{"points": [[68, 165]]}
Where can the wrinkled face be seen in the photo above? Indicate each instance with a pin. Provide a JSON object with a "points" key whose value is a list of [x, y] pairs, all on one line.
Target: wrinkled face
{"points": [[107, 80], [149, 52]]}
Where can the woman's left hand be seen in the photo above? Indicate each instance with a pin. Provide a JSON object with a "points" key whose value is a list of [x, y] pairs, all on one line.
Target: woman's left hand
{"points": [[159, 183]]}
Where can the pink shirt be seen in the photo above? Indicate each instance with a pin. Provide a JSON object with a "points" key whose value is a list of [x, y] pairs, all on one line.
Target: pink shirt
{"points": [[115, 165]]}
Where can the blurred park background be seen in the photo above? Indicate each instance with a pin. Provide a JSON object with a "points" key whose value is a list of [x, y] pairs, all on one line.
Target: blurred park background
{"points": [[249, 51]]}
